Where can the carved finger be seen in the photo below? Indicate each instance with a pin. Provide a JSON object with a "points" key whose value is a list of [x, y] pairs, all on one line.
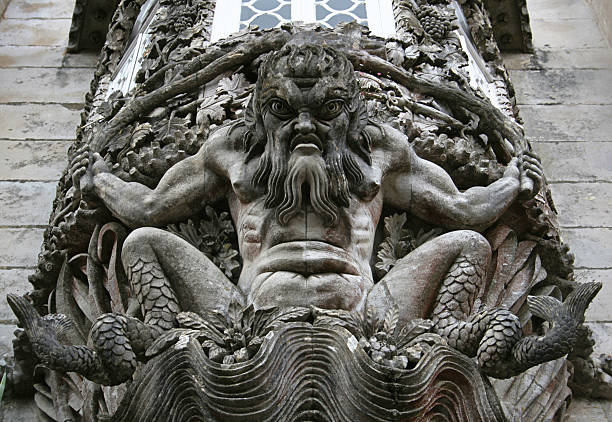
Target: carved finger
{"points": [[532, 161], [535, 169], [537, 181]]}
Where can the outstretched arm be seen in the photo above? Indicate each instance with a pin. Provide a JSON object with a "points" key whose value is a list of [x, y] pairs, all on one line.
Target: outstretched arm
{"points": [[181, 192], [427, 191]]}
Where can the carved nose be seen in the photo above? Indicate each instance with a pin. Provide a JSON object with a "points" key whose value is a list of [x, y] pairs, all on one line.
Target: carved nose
{"points": [[304, 124]]}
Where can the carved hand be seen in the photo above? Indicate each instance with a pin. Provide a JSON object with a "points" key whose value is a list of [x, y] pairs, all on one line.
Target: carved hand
{"points": [[83, 167], [531, 175]]}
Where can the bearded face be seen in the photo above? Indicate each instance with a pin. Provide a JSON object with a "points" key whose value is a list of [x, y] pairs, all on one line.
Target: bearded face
{"points": [[305, 117]]}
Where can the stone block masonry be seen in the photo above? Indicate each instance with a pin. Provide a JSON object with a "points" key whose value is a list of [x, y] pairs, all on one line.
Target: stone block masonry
{"points": [[565, 96], [567, 110], [41, 96]]}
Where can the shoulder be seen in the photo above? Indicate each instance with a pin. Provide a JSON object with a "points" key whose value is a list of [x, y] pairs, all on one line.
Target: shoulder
{"points": [[390, 144], [222, 147]]}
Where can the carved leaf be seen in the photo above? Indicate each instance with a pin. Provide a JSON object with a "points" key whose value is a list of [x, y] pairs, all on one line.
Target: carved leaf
{"points": [[170, 338], [371, 322], [172, 130], [338, 317], [235, 313], [412, 330], [280, 316], [207, 327], [212, 110], [394, 246], [235, 85], [390, 321]]}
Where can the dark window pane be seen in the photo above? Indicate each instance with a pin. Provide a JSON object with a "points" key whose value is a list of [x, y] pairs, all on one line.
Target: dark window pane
{"points": [[321, 13], [360, 11], [339, 18], [265, 21], [340, 4], [246, 13], [264, 5], [285, 11]]}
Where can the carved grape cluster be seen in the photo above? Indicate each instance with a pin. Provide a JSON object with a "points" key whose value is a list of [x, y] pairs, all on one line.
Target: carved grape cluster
{"points": [[434, 23]]}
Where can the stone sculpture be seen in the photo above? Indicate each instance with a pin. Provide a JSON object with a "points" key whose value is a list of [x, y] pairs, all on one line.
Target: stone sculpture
{"points": [[310, 159]]}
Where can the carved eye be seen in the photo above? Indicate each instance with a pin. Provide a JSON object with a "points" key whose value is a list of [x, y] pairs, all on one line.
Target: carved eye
{"points": [[332, 108], [279, 108]]}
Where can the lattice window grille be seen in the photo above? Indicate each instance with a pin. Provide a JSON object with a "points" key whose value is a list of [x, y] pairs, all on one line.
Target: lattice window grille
{"points": [[264, 13], [330, 13], [234, 15]]}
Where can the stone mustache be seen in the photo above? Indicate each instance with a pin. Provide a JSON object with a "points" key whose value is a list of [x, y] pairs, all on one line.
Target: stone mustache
{"points": [[306, 175]]}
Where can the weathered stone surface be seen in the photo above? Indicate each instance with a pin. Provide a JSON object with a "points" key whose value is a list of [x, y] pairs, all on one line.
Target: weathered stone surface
{"points": [[26, 203], [83, 59], [39, 9], [575, 161], [19, 247], [603, 15], [18, 410], [584, 410], [600, 309], [569, 122], [563, 86], [12, 281], [36, 121], [586, 58], [577, 33], [27, 160], [583, 204], [560, 9], [602, 334], [45, 85], [48, 32], [19, 56], [591, 247], [6, 338]]}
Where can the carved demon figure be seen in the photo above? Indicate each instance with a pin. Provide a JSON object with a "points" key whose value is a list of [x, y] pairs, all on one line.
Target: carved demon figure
{"points": [[306, 175]]}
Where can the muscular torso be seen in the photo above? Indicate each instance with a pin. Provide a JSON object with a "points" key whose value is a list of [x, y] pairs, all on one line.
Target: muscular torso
{"points": [[305, 261]]}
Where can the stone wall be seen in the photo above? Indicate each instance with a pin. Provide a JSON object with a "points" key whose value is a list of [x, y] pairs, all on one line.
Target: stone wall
{"points": [[564, 91], [565, 96], [603, 15], [42, 93]]}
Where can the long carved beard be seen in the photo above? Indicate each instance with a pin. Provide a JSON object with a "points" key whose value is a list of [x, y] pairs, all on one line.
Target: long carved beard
{"points": [[328, 179]]}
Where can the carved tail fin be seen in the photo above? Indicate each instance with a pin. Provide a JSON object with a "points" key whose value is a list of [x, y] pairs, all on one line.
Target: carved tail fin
{"points": [[33, 324]]}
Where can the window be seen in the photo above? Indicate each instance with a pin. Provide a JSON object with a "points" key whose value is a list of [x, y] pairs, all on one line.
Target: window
{"points": [[125, 74], [233, 15], [480, 77]]}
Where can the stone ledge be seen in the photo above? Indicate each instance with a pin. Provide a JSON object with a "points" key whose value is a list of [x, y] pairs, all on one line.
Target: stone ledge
{"points": [[600, 309], [590, 246], [575, 161], [20, 247], [49, 85], [35, 121], [559, 9], [12, 281], [36, 56], [47, 32], [589, 58], [33, 160], [566, 33], [562, 86], [583, 204], [26, 203], [39, 9], [565, 122]]}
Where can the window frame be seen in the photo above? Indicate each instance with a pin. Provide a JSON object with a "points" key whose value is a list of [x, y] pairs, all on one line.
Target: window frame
{"points": [[226, 20]]}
